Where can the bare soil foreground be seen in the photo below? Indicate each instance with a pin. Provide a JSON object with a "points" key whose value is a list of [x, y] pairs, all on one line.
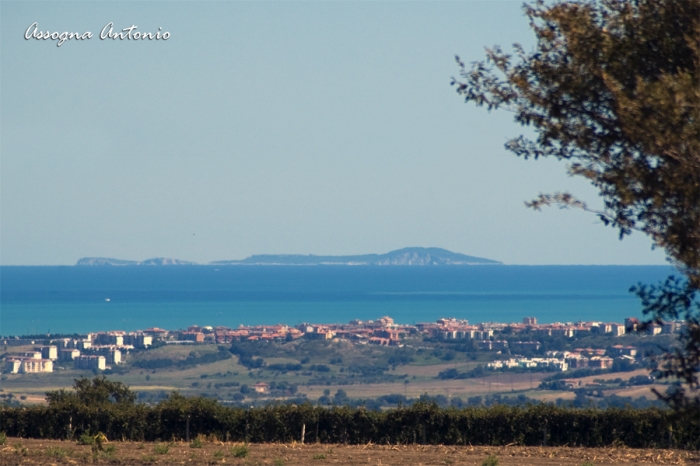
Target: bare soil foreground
{"points": [[55, 452]]}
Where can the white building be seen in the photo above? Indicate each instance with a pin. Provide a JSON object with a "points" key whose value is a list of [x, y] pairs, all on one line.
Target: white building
{"points": [[138, 340], [68, 354], [91, 362], [12, 365], [28, 365], [49, 352]]}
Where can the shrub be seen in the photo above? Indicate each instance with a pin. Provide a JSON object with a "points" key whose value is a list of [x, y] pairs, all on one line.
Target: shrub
{"points": [[492, 460], [86, 439], [218, 455], [320, 368], [161, 448], [20, 450], [3, 438], [319, 457], [239, 451], [57, 452], [109, 451], [196, 442], [284, 367]]}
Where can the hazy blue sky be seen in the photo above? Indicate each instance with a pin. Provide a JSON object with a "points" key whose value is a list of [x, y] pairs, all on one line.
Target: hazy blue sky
{"points": [[271, 127]]}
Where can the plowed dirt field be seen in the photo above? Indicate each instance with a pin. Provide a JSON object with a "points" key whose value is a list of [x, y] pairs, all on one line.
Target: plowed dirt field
{"points": [[54, 452]]}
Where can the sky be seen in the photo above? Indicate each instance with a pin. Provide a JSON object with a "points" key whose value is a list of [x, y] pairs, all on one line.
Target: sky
{"points": [[286, 127]]}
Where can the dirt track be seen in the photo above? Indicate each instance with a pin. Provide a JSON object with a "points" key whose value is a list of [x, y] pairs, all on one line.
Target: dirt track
{"points": [[54, 452]]}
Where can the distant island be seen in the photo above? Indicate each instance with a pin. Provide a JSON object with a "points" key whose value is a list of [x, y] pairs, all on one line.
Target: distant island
{"points": [[109, 261], [406, 256]]}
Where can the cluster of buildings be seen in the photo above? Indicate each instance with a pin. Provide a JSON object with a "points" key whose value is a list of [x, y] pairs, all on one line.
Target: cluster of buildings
{"points": [[39, 360], [452, 329], [530, 363], [95, 352], [565, 360], [385, 332], [103, 349]]}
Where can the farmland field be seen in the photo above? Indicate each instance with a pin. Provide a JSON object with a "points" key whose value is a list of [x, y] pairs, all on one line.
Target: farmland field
{"points": [[360, 371], [55, 452]]}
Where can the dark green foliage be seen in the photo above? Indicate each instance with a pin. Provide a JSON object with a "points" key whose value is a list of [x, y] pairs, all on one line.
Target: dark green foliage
{"points": [[245, 356], [319, 368], [612, 89], [86, 439], [367, 371], [283, 387], [192, 360], [57, 452], [420, 423], [401, 357], [671, 300], [284, 367], [578, 373], [478, 371], [240, 451], [20, 450], [9, 399], [640, 380], [95, 392], [161, 448]]}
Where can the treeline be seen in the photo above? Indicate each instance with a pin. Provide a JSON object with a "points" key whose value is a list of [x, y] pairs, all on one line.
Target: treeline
{"points": [[100, 405], [624, 366], [478, 371], [192, 360], [246, 356], [423, 423]]}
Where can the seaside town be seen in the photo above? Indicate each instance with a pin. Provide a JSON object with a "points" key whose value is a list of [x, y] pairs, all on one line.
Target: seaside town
{"points": [[102, 350]]}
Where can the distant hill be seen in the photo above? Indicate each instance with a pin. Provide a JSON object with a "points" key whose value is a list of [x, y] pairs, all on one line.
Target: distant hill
{"points": [[406, 256], [108, 261]]}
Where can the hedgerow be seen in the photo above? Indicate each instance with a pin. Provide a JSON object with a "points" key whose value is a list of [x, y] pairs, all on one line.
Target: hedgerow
{"points": [[422, 423]]}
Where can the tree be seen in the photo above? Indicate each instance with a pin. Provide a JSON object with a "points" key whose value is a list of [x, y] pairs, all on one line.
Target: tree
{"points": [[613, 89], [93, 392]]}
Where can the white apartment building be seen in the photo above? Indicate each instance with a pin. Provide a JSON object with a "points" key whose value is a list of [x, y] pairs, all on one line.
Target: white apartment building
{"points": [[49, 352], [91, 362], [68, 354], [28, 365]]}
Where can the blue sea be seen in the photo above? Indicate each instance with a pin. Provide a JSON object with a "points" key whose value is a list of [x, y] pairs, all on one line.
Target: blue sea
{"points": [[37, 300]]}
